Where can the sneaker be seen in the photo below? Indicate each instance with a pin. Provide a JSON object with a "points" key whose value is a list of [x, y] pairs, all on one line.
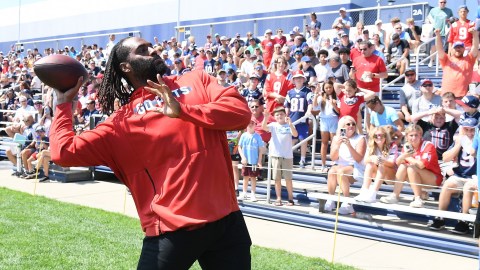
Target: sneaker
{"points": [[31, 176], [242, 196], [437, 224], [329, 205], [417, 202], [43, 179], [302, 163], [371, 196], [361, 197], [25, 174], [462, 227], [390, 199], [253, 198], [430, 64], [345, 209]]}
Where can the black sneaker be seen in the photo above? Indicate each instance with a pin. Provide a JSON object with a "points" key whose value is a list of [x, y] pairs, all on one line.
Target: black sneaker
{"points": [[437, 225], [462, 227], [43, 179]]}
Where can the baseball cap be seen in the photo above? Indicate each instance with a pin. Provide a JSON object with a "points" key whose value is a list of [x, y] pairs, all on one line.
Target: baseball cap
{"points": [[470, 101], [458, 43], [254, 75], [217, 34], [342, 9], [40, 128], [291, 33], [378, 21], [298, 74], [298, 51], [268, 31], [100, 76], [410, 69], [344, 34], [209, 50], [222, 70], [177, 61], [425, 81], [164, 52], [359, 39], [469, 122], [306, 59], [38, 101], [90, 101], [223, 38], [463, 6]]}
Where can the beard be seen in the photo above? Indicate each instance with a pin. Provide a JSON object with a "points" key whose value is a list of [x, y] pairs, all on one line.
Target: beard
{"points": [[148, 69]]}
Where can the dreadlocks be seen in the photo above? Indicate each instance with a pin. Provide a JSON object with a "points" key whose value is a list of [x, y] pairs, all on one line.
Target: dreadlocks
{"points": [[112, 86]]}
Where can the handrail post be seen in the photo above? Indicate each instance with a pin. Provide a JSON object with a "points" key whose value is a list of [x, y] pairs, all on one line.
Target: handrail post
{"points": [[19, 159], [314, 140], [269, 177]]}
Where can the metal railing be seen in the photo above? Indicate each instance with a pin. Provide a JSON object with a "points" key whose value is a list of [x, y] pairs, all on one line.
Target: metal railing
{"points": [[57, 41], [312, 137], [367, 16], [435, 54]]}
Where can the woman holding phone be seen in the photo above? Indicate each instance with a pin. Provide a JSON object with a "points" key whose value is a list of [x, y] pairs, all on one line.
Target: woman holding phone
{"points": [[348, 151]]}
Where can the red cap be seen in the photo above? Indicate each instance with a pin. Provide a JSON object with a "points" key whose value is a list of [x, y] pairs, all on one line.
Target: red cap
{"points": [[298, 73]]}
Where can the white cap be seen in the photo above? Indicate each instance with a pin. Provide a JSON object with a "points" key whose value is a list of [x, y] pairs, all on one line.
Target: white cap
{"points": [[378, 21], [268, 31], [342, 9]]}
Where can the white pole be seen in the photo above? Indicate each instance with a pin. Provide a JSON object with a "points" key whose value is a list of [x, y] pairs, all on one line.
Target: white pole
{"points": [[19, 9], [378, 9]]}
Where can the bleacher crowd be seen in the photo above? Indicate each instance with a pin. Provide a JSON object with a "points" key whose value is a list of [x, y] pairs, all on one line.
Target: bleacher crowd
{"points": [[431, 139]]}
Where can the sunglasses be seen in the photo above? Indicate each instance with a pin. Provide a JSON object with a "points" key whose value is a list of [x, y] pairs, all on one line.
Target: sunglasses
{"points": [[362, 50], [427, 85], [410, 74], [379, 136], [254, 107], [350, 124]]}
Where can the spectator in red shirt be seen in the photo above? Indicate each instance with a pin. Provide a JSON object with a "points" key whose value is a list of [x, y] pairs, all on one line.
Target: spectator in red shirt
{"points": [[280, 38], [368, 68], [267, 47]]}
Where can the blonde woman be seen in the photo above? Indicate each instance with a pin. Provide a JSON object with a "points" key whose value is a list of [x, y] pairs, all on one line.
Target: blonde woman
{"points": [[348, 151], [379, 163]]}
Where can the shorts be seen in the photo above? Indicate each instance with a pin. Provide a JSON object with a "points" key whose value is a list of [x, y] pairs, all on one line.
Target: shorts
{"points": [[329, 124], [302, 130], [459, 181], [250, 170], [34, 155], [235, 157], [282, 168]]}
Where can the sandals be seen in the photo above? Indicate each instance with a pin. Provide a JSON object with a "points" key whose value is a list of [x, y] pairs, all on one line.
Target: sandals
{"points": [[278, 203], [324, 169], [290, 203]]}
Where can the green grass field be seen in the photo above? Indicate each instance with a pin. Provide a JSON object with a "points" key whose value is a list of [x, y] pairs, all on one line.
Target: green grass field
{"points": [[41, 233]]}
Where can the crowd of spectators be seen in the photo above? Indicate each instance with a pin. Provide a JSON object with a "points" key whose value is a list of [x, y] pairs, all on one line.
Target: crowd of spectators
{"points": [[288, 77]]}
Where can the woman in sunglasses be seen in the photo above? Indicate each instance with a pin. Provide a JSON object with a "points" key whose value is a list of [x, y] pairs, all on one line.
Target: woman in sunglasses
{"points": [[379, 163], [348, 151]]}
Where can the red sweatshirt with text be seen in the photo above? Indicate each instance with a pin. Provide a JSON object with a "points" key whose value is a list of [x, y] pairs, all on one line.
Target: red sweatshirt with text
{"points": [[178, 169]]}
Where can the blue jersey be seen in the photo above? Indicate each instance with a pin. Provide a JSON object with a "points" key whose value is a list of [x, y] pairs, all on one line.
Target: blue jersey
{"points": [[251, 144], [297, 101], [251, 95], [467, 164]]}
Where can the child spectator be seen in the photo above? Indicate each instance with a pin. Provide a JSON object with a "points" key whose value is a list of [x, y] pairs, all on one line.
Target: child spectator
{"points": [[417, 164], [298, 104], [277, 84], [250, 150], [437, 130], [448, 103], [280, 151], [469, 105], [348, 151], [351, 98], [38, 145], [325, 104], [251, 92], [462, 177], [380, 163]]}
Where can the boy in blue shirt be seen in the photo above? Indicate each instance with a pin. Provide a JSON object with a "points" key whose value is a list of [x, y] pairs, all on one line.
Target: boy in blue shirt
{"points": [[250, 149]]}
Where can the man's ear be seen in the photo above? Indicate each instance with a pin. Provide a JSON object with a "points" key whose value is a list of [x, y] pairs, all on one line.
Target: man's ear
{"points": [[125, 67]]}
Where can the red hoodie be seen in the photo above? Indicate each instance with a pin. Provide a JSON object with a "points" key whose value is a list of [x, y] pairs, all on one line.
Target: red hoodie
{"points": [[178, 169]]}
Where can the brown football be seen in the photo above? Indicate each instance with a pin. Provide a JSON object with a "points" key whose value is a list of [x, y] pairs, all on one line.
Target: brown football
{"points": [[59, 71]]}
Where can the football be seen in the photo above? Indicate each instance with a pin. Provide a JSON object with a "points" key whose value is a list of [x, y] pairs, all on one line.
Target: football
{"points": [[59, 71]]}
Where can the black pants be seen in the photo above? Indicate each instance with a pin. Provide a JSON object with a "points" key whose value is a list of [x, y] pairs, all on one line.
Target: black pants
{"points": [[223, 244]]}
